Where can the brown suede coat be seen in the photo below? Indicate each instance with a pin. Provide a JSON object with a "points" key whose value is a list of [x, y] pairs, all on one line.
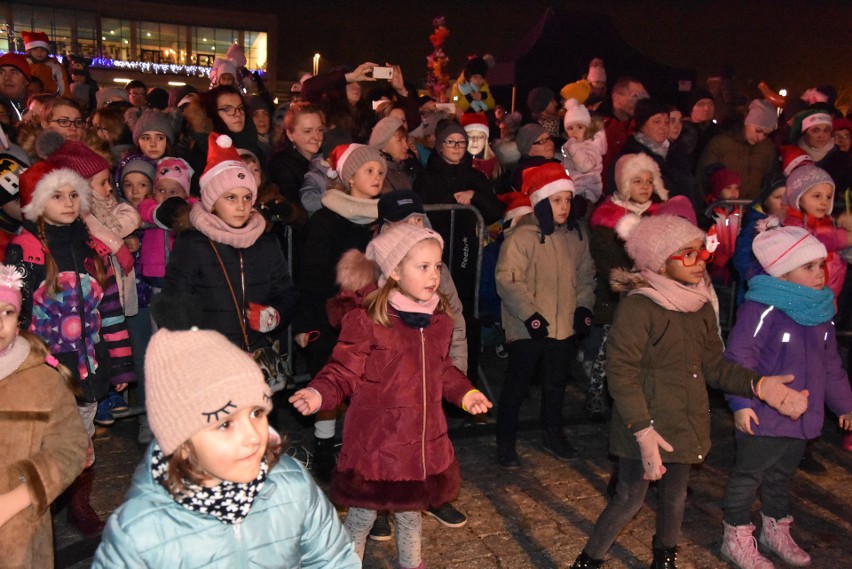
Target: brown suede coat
{"points": [[42, 444]]}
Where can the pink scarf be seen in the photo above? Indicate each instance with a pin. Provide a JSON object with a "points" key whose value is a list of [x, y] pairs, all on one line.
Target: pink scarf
{"points": [[405, 304], [676, 296], [213, 227]]}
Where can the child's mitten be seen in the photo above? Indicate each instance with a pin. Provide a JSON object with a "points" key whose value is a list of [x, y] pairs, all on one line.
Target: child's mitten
{"points": [[582, 321], [536, 326], [650, 442]]}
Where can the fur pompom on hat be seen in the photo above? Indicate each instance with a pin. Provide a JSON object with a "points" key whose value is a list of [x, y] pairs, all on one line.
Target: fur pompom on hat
{"points": [[654, 239], [149, 120], [390, 247], [384, 131], [541, 182], [225, 171], [780, 250], [355, 271], [803, 179], [11, 281], [762, 114], [631, 165], [195, 379], [575, 113], [37, 184], [527, 135]]}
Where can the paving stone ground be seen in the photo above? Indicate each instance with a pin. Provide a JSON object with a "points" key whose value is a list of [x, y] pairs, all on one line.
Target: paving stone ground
{"points": [[539, 517]]}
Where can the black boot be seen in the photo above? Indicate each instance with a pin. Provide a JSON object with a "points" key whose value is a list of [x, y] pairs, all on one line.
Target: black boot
{"points": [[324, 459], [583, 561], [664, 557]]}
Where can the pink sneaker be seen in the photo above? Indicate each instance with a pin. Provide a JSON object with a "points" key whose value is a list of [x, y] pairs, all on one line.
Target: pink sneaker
{"points": [[740, 548], [775, 535], [847, 441]]}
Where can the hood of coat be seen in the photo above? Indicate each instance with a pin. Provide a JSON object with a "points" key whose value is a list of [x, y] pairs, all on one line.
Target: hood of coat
{"points": [[623, 280]]}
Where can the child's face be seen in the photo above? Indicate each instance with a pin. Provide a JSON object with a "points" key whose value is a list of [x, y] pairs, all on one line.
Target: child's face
{"points": [[168, 188], [62, 207], [136, 187], [776, 203], [811, 275], [477, 80], [234, 207], [731, 192], [100, 184], [560, 204], [153, 144], [642, 187], [817, 200], [577, 131], [232, 449], [38, 54], [692, 275], [368, 180], [419, 273], [254, 168], [8, 325]]}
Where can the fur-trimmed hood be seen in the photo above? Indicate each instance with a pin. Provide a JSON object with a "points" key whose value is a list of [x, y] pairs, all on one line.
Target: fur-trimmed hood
{"points": [[623, 280], [629, 165]]}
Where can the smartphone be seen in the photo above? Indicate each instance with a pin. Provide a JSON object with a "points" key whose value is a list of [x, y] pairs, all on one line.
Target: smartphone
{"points": [[383, 73]]}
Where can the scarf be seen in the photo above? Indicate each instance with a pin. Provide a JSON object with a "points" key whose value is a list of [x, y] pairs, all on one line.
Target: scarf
{"points": [[13, 356], [213, 227], [228, 502], [359, 211], [660, 149], [412, 312], [672, 295], [102, 209], [816, 154], [630, 205], [806, 306]]}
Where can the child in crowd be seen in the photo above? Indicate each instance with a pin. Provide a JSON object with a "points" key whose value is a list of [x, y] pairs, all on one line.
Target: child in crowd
{"points": [[663, 346], [392, 363], [41, 434], [136, 180], [784, 327], [471, 92], [545, 279], [67, 279], [724, 185], [153, 131], [484, 159], [214, 490], [582, 153]]}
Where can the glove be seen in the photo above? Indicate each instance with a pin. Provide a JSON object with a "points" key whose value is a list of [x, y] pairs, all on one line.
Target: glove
{"points": [[650, 442], [168, 212], [536, 326], [582, 321], [786, 401], [262, 318]]}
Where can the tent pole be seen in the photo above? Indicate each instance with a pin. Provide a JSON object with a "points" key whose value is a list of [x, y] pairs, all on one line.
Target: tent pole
{"points": [[514, 92]]}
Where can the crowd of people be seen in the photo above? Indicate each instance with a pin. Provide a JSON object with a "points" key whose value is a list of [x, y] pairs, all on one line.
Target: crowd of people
{"points": [[168, 243]]}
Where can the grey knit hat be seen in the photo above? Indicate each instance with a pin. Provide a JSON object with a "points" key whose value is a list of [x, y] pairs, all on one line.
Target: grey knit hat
{"points": [[151, 120], [445, 128], [357, 158], [762, 113], [654, 239], [803, 179], [138, 165], [539, 98], [384, 131], [528, 134]]}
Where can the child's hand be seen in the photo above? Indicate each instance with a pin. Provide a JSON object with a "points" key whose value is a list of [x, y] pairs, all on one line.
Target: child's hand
{"points": [[845, 421], [132, 243], [464, 197], [306, 401], [786, 401], [650, 442], [475, 402], [743, 419], [12, 502]]}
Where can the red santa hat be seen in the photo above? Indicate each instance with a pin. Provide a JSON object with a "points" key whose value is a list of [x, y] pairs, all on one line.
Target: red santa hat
{"points": [[792, 157], [517, 204], [225, 171], [33, 40], [475, 122], [543, 181], [40, 180]]}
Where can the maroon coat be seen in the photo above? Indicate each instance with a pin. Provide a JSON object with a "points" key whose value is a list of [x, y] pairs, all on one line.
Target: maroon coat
{"points": [[396, 453]]}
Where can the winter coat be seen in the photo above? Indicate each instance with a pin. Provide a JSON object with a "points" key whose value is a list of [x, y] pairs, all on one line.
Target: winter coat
{"points": [[658, 362], [584, 162], [553, 278], [732, 150], [42, 442], [287, 169], [400, 174], [314, 184], [744, 260], [157, 243], [291, 524], [769, 342], [396, 453], [194, 269], [834, 238], [441, 180]]}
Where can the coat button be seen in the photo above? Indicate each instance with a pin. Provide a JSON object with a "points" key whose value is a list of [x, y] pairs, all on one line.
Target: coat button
{"points": [[700, 457]]}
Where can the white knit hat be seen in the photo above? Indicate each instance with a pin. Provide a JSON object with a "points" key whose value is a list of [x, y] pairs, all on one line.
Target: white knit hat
{"points": [[782, 249], [575, 113], [391, 246]]}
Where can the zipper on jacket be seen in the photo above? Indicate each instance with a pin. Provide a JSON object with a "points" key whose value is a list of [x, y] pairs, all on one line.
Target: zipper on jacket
{"points": [[423, 388]]}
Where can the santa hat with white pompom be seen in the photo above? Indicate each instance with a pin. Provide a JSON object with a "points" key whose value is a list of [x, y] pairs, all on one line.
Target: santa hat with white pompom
{"points": [[225, 171]]}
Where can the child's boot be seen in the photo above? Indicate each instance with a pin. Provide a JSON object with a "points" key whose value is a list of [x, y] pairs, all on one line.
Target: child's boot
{"points": [[775, 535], [80, 512], [740, 548], [583, 561], [664, 557]]}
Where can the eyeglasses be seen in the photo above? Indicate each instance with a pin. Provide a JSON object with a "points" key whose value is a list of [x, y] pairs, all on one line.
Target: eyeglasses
{"points": [[65, 123], [690, 257], [541, 141], [231, 110], [841, 136], [455, 143]]}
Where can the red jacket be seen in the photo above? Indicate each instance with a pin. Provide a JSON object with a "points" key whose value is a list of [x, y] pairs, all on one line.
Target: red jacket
{"points": [[396, 453]]}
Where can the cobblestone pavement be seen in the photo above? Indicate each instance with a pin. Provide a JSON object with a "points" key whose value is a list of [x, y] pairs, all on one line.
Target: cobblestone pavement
{"points": [[540, 516]]}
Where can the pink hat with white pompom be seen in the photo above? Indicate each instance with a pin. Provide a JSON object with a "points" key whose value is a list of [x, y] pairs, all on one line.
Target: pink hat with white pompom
{"points": [[224, 172]]}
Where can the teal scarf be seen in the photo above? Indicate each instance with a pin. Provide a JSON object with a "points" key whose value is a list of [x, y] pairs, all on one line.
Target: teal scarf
{"points": [[804, 305]]}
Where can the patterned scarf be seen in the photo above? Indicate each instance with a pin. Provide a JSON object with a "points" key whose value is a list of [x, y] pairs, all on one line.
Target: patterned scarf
{"points": [[806, 306], [229, 502]]}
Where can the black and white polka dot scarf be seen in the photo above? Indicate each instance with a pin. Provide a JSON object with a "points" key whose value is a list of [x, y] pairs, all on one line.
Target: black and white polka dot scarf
{"points": [[229, 502]]}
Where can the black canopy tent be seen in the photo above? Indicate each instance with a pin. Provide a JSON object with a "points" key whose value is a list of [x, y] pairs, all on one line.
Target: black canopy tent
{"points": [[557, 50]]}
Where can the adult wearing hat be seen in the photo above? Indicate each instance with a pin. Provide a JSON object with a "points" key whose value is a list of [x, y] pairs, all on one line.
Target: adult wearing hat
{"points": [[15, 76], [811, 130], [698, 125]]}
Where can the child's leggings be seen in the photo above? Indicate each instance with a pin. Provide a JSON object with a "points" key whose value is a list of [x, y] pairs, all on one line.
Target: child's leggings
{"points": [[409, 526], [629, 497], [768, 463]]}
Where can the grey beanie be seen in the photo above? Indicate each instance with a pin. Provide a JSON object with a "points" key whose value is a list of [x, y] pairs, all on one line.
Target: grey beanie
{"points": [[539, 98], [357, 158], [152, 120], [384, 131], [527, 135], [105, 94], [445, 128], [762, 113], [139, 165], [803, 179]]}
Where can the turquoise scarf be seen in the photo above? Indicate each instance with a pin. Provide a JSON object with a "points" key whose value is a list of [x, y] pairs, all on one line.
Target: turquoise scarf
{"points": [[804, 305]]}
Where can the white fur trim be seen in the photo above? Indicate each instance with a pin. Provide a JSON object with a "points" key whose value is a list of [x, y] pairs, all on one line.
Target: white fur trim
{"points": [[477, 127], [554, 187], [36, 43], [224, 141], [52, 181], [629, 166], [219, 168], [795, 163], [517, 212], [814, 119], [625, 226]]}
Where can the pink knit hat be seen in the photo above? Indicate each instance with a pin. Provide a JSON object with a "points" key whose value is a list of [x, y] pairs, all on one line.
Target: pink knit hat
{"points": [[225, 171], [654, 239], [11, 282], [391, 246], [177, 169], [782, 249], [195, 379]]}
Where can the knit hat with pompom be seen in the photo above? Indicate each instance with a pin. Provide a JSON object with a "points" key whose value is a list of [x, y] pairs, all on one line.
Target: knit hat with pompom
{"points": [[654, 239], [225, 171]]}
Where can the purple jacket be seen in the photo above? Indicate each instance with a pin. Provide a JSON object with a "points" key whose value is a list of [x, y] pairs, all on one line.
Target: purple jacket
{"points": [[769, 342]]}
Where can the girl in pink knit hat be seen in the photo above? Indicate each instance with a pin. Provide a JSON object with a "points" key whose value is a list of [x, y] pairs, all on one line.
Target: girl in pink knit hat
{"points": [[392, 364]]}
